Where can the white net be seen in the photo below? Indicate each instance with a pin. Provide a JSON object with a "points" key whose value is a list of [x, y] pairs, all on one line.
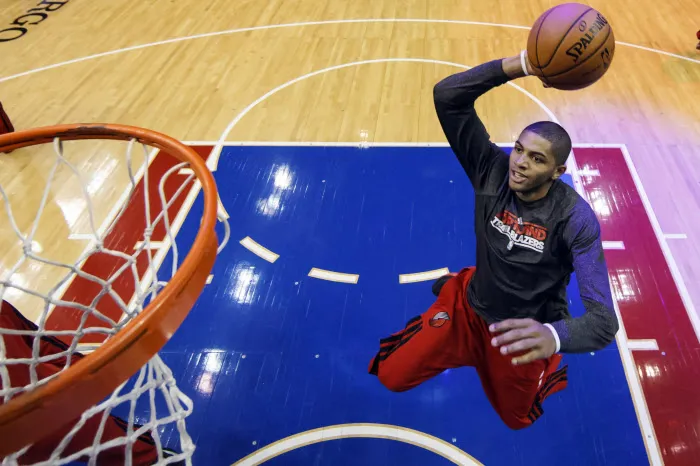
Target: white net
{"points": [[74, 272]]}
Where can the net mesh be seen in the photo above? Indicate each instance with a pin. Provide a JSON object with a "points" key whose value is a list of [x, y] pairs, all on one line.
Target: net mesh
{"points": [[64, 293]]}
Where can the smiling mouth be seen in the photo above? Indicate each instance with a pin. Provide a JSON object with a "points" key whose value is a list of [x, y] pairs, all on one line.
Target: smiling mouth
{"points": [[517, 177]]}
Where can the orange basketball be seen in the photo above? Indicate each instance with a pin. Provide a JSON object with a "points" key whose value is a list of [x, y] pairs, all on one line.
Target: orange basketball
{"points": [[571, 45]]}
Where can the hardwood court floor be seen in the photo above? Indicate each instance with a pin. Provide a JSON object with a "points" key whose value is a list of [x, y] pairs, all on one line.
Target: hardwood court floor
{"points": [[330, 71]]}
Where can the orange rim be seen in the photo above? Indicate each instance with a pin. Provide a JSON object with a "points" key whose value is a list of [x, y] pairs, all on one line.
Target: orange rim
{"points": [[31, 416]]}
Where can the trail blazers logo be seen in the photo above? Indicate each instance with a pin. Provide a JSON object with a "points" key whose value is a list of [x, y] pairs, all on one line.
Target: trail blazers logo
{"points": [[439, 319], [519, 233]]}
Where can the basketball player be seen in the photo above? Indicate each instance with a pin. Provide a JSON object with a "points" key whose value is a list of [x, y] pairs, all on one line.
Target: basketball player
{"points": [[508, 316]]}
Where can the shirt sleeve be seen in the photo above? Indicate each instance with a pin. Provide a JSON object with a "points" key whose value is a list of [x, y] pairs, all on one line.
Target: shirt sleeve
{"points": [[597, 327], [454, 103]]}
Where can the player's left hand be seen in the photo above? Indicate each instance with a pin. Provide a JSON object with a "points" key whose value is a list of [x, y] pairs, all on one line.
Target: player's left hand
{"points": [[518, 335]]}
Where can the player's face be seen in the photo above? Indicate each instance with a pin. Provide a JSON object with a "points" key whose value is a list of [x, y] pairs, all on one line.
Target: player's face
{"points": [[532, 163]]}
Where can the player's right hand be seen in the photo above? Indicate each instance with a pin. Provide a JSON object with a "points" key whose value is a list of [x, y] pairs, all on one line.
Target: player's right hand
{"points": [[523, 335]]}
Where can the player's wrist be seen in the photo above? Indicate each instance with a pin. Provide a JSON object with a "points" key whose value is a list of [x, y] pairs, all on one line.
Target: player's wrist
{"points": [[555, 335], [512, 67], [525, 63]]}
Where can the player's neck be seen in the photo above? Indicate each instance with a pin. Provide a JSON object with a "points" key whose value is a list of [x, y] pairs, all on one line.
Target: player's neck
{"points": [[536, 194]]}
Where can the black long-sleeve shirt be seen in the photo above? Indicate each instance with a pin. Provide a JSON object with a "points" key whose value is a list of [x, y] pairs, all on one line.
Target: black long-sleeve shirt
{"points": [[526, 252]]}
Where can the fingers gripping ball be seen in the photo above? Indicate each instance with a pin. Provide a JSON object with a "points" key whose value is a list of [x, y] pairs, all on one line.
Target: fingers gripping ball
{"points": [[570, 46]]}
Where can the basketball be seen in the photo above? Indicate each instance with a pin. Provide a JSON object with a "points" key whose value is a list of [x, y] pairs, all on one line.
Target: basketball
{"points": [[571, 46]]}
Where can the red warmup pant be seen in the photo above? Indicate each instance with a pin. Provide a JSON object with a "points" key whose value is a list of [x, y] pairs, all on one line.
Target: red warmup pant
{"points": [[450, 334], [143, 451]]}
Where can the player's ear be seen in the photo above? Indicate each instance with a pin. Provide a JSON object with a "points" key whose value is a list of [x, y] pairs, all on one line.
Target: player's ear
{"points": [[558, 172]]}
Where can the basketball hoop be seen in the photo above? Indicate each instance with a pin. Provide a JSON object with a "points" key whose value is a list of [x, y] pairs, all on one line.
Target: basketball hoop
{"points": [[124, 342]]}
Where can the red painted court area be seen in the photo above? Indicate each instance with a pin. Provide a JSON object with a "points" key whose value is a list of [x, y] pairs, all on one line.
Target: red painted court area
{"points": [[650, 305], [127, 232]]}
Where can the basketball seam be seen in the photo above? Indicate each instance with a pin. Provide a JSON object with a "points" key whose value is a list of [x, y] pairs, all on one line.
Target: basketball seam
{"points": [[584, 61], [537, 39], [564, 36]]}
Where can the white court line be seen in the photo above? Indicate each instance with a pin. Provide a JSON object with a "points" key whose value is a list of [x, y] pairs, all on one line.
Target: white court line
{"points": [[82, 237], [187, 171], [198, 143], [580, 145], [677, 277], [125, 194], [423, 276], [588, 172], [87, 348], [599, 145], [571, 163], [331, 276], [675, 236], [643, 345], [383, 431], [209, 279], [640, 403], [373, 144], [153, 245], [613, 245], [259, 250], [302, 24], [213, 160], [321, 144], [649, 49]]}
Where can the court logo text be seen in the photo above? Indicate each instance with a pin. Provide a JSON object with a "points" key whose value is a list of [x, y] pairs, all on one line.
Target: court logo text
{"points": [[20, 26]]}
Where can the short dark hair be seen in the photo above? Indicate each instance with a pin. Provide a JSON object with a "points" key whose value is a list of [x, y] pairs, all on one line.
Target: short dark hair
{"points": [[554, 133]]}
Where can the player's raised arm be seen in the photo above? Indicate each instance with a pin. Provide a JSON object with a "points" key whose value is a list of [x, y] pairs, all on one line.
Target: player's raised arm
{"points": [[454, 102]]}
